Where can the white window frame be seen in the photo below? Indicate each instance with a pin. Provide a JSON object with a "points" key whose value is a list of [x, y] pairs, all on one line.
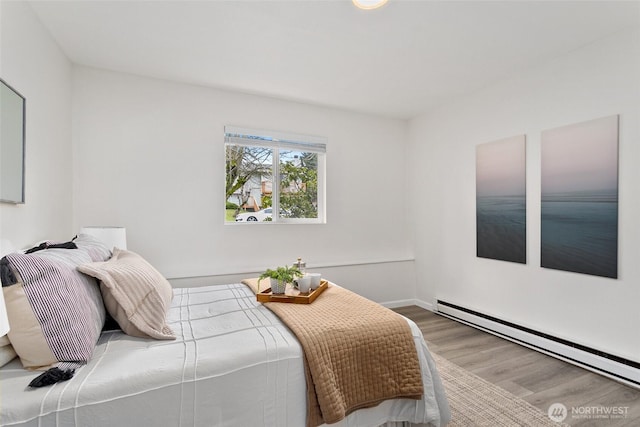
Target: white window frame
{"points": [[276, 140]]}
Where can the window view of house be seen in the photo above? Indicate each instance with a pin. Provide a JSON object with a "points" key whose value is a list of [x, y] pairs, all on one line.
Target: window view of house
{"points": [[272, 179]]}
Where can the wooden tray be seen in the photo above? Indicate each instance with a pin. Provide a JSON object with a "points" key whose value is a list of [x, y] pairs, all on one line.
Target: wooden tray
{"points": [[292, 295]]}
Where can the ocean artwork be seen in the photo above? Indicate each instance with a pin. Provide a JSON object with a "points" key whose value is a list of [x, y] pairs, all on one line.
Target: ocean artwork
{"points": [[501, 201], [579, 205]]}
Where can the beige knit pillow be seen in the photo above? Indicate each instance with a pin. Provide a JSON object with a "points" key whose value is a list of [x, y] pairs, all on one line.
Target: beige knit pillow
{"points": [[135, 294], [7, 353]]}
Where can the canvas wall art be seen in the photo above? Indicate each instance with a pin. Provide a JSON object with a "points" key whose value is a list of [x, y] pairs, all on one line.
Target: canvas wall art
{"points": [[501, 202], [579, 224]]}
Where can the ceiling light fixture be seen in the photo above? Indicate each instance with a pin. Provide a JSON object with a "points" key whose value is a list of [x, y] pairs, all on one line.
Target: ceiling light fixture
{"points": [[369, 4]]}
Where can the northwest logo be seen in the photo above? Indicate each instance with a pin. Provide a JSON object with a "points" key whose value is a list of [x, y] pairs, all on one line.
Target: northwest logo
{"points": [[557, 412]]}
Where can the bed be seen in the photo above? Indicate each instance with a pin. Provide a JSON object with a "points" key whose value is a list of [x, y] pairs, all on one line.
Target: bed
{"points": [[232, 363]]}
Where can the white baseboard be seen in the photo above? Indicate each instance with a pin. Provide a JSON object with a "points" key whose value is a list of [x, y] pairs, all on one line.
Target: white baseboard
{"points": [[424, 304], [398, 303], [408, 302]]}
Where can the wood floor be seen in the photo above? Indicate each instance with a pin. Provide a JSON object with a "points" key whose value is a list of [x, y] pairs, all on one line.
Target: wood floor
{"points": [[535, 377]]}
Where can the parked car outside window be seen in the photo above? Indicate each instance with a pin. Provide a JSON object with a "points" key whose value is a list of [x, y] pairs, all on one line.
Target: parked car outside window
{"points": [[261, 215]]}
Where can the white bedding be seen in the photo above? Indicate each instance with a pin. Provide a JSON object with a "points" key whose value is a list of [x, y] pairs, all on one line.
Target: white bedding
{"points": [[234, 364]]}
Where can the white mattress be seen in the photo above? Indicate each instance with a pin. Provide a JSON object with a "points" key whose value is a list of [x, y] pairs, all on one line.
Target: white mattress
{"points": [[234, 364]]}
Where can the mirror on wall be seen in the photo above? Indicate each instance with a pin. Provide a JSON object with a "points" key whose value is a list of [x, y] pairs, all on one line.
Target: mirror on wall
{"points": [[12, 142]]}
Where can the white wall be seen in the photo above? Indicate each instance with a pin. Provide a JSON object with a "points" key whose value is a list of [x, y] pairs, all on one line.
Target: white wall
{"points": [[149, 155], [598, 80], [34, 65]]}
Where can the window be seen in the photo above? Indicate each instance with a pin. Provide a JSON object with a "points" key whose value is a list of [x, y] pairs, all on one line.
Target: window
{"points": [[253, 158]]}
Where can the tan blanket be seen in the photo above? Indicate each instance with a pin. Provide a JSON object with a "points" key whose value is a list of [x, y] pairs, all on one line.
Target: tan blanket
{"points": [[357, 353]]}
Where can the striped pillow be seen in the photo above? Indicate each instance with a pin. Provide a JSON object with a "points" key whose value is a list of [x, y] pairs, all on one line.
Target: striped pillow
{"points": [[56, 313], [135, 294]]}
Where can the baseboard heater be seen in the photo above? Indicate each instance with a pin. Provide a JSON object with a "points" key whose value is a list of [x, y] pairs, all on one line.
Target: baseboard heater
{"points": [[615, 367]]}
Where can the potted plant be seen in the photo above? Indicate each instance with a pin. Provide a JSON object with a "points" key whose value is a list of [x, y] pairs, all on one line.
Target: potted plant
{"points": [[280, 277]]}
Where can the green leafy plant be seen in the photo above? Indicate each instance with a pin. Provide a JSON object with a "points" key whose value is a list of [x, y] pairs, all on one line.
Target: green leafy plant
{"points": [[285, 274]]}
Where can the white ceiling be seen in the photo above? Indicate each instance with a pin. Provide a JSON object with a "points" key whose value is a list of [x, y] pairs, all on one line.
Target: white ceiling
{"points": [[396, 61]]}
